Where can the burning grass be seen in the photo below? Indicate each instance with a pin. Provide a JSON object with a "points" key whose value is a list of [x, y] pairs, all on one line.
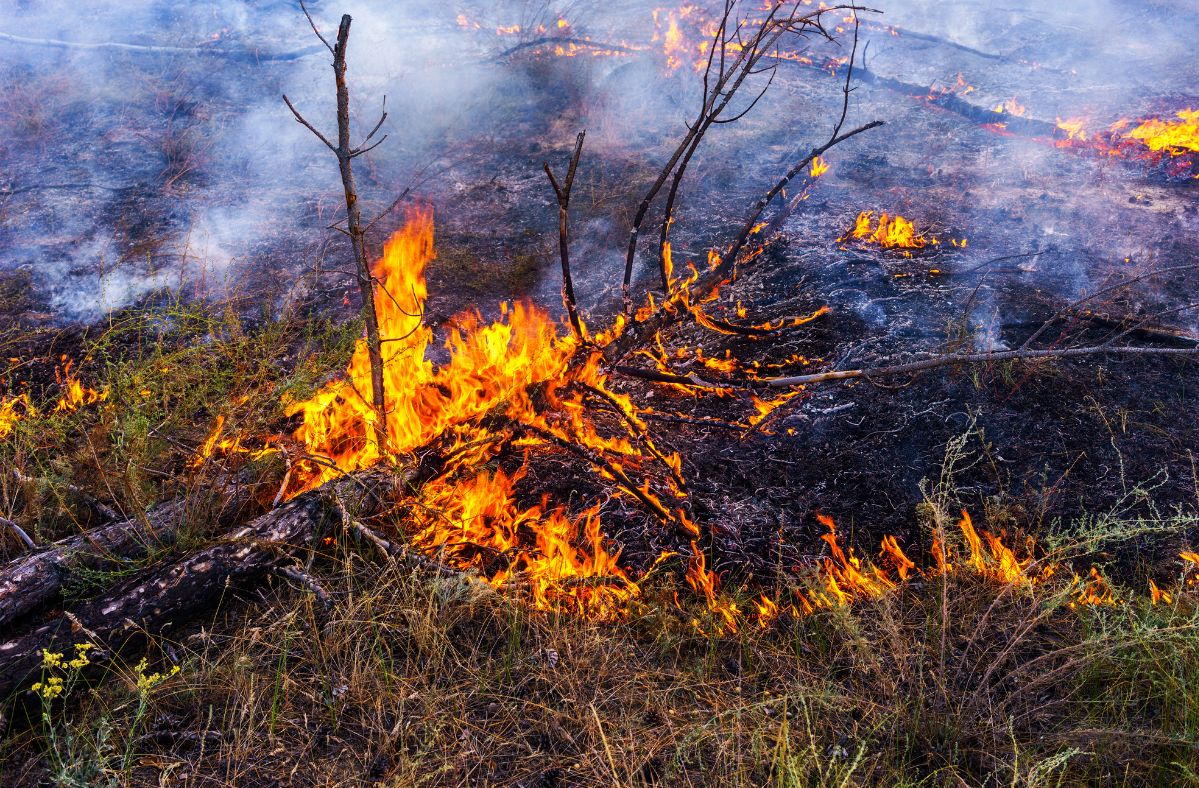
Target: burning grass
{"points": [[418, 678], [964, 651]]}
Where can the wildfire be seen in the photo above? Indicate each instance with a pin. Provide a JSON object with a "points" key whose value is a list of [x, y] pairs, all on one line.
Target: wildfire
{"points": [[1175, 137], [469, 518], [892, 232], [75, 395], [889, 232], [1073, 128], [488, 364], [12, 410], [1011, 107]]}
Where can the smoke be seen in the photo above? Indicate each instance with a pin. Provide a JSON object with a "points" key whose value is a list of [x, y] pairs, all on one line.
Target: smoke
{"points": [[177, 166]]}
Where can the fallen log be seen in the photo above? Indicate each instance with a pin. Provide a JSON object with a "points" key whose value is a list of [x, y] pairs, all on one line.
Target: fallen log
{"points": [[171, 593], [34, 581], [174, 592]]}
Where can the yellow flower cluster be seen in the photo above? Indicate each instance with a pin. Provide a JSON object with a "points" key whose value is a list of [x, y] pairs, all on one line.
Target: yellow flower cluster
{"points": [[52, 687], [146, 683]]}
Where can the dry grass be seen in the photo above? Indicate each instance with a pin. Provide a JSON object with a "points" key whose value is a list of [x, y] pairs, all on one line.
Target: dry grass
{"points": [[415, 679]]}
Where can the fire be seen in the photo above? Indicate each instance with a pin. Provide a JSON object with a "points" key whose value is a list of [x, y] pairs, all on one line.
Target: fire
{"points": [[673, 46], [1011, 107], [819, 167], [1074, 128], [1001, 564], [76, 395], [959, 87], [1095, 590], [475, 523], [845, 576], [893, 232], [705, 582], [13, 410], [1175, 137], [469, 518], [890, 232], [488, 364]]}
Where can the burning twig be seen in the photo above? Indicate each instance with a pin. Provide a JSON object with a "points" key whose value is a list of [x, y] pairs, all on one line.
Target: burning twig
{"points": [[346, 153], [562, 192]]}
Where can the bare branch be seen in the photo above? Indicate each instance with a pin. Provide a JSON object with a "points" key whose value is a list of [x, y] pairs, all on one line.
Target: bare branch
{"points": [[19, 532], [359, 151], [892, 370], [304, 8], [563, 195], [308, 125]]}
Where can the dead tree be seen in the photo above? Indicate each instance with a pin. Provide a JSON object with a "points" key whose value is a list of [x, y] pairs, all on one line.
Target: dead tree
{"points": [[346, 153]]}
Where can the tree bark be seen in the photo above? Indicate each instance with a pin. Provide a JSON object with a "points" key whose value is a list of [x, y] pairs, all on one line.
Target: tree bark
{"points": [[169, 594], [345, 156], [35, 581]]}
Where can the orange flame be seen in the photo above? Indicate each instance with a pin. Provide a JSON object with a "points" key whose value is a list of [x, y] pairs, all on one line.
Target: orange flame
{"points": [[488, 364], [1175, 137], [9, 413], [76, 395], [891, 232]]}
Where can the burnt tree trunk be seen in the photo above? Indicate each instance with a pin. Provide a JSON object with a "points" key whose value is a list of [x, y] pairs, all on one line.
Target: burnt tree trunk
{"points": [[173, 593]]}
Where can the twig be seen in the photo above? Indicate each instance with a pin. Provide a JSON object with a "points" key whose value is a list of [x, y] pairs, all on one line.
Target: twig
{"points": [[345, 156], [717, 96], [297, 574], [19, 531], [562, 192], [947, 360], [99, 507]]}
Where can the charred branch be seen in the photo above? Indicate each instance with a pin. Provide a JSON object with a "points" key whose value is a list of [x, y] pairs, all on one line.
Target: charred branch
{"points": [[562, 193]]}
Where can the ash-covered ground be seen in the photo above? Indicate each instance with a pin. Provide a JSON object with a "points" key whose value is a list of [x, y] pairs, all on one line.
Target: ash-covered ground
{"points": [[173, 169]]}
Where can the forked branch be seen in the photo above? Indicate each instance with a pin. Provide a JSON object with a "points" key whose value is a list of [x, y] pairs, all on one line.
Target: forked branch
{"points": [[562, 193]]}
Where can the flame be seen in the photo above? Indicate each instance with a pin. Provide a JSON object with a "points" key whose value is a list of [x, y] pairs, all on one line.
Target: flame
{"points": [[476, 523], [891, 232], [488, 364], [1095, 590], [1193, 558], [1001, 564], [891, 550], [845, 576], [9, 413], [469, 517], [14, 409], [1157, 595], [819, 167], [1175, 137], [76, 395], [768, 611], [1074, 128], [704, 581], [1011, 107]]}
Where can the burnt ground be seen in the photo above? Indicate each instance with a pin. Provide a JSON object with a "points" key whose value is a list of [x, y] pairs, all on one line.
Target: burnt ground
{"points": [[183, 195]]}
